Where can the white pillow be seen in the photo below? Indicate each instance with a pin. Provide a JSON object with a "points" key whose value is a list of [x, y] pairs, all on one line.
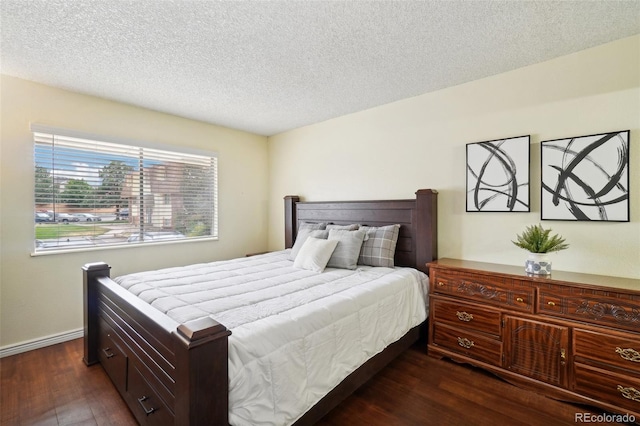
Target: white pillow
{"points": [[315, 254], [302, 236]]}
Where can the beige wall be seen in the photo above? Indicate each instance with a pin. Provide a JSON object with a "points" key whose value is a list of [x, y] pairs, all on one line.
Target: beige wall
{"points": [[42, 296], [393, 150], [419, 141]]}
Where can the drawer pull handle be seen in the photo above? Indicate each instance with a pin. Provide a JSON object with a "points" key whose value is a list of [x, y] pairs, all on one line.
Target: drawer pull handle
{"points": [[465, 343], [463, 316], [107, 352], [628, 354], [440, 284], [147, 411], [519, 299], [629, 393], [551, 303]]}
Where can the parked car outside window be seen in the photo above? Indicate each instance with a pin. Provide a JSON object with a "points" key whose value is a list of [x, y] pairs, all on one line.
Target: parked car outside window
{"points": [[43, 217], [87, 217], [65, 218]]}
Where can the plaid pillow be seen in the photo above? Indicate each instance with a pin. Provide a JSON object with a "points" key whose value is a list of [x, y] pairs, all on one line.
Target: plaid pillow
{"points": [[379, 246]]}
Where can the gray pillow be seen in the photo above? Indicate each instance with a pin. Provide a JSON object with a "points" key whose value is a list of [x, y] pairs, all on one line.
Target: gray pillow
{"points": [[379, 246], [312, 226], [346, 254], [351, 227]]}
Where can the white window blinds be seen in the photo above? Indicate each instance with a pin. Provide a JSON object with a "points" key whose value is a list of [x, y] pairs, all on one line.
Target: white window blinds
{"points": [[91, 192]]}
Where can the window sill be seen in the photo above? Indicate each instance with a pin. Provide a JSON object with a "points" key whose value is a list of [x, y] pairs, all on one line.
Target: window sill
{"points": [[120, 246]]}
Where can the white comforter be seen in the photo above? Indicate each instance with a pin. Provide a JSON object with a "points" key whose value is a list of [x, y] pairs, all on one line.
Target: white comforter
{"points": [[296, 334]]}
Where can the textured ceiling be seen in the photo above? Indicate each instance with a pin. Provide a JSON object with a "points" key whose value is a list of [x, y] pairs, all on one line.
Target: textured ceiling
{"points": [[270, 66]]}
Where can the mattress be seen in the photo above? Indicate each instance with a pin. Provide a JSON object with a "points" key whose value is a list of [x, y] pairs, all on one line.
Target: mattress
{"points": [[296, 334]]}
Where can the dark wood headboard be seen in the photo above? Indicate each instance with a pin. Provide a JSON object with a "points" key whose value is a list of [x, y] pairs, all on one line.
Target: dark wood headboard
{"points": [[418, 219]]}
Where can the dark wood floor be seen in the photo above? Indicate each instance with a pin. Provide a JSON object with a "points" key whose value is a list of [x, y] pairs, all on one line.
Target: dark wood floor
{"points": [[51, 386]]}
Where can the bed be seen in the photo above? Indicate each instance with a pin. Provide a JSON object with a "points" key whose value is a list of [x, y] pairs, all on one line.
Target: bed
{"points": [[177, 371]]}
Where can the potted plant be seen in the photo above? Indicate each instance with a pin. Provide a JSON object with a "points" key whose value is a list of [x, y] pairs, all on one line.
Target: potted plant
{"points": [[539, 242]]}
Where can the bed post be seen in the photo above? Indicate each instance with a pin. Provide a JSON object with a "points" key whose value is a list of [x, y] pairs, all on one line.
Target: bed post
{"points": [[290, 220], [91, 272], [427, 228], [202, 382]]}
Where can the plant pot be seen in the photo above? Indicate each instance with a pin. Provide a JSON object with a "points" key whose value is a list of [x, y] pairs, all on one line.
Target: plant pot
{"points": [[538, 264]]}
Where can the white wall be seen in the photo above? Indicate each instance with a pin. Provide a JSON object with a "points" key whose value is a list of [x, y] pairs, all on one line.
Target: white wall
{"points": [[393, 150], [42, 296]]}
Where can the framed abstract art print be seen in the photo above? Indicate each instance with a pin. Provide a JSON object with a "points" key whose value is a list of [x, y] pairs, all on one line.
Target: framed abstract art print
{"points": [[498, 175], [586, 178]]}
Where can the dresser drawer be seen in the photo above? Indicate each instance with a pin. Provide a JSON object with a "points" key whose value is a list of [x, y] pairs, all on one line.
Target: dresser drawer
{"points": [[112, 357], [619, 390], [146, 405], [496, 291], [467, 316], [469, 344], [583, 305], [619, 351]]}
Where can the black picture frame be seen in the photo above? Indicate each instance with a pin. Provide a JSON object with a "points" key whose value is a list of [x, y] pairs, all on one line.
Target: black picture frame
{"points": [[498, 175], [586, 178]]}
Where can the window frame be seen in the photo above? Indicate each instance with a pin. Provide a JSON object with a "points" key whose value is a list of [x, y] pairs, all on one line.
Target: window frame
{"points": [[203, 157]]}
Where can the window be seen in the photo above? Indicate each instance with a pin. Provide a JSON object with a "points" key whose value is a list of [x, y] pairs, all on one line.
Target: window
{"points": [[93, 191]]}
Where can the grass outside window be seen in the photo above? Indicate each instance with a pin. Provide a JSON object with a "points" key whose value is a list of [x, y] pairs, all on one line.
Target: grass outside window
{"points": [[52, 231]]}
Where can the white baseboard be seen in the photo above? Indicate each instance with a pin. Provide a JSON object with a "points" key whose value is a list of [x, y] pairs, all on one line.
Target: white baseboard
{"points": [[41, 343]]}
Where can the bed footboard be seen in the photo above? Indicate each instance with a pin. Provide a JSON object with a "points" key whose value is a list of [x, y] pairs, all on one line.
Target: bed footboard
{"points": [[168, 373]]}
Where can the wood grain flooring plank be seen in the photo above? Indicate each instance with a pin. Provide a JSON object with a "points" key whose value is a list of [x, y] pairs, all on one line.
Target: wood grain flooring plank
{"points": [[52, 386]]}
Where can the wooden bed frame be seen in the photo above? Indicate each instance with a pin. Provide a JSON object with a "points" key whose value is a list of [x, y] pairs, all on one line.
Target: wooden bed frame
{"points": [[171, 373]]}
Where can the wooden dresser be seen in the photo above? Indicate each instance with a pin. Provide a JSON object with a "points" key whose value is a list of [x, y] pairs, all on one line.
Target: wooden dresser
{"points": [[574, 337]]}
